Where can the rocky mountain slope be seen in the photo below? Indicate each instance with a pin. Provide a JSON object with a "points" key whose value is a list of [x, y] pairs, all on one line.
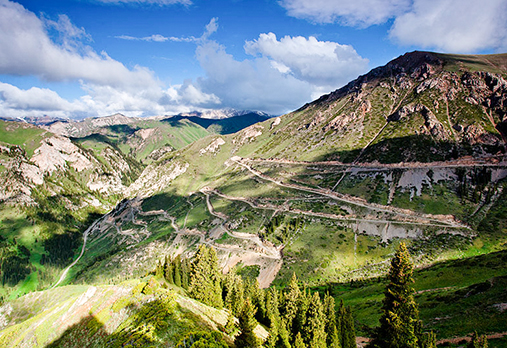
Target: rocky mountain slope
{"points": [[413, 151]]}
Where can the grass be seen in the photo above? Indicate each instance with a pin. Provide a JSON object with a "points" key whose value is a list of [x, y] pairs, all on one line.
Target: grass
{"points": [[143, 312], [27, 136], [462, 293]]}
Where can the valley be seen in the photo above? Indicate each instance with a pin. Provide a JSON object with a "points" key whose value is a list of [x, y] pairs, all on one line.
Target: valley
{"points": [[411, 153]]}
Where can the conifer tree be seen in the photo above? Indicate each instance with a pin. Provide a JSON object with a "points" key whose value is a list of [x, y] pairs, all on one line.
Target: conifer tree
{"points": [[346, 322], [427, 340], [177, 270], [314, 328], [185, 273], [299, 321], [291, 300], [168, 271], [205, 277], [247, 324], [256, 295], [398, 323], [235, 295], [272, 311], [283, 336], [298, 341], [333, 338], [230, 326]]}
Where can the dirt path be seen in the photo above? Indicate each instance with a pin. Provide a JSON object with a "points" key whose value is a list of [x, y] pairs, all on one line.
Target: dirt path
{"points": [[284, 208], [85, 238], [456, 340], [405, 213]]}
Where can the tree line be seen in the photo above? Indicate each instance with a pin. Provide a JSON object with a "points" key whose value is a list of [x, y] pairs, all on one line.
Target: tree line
{"points": [[294, 316], [297, 318]]}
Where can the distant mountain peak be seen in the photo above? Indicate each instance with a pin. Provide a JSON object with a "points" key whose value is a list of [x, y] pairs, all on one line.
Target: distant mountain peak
{"points": [[221, 113]]}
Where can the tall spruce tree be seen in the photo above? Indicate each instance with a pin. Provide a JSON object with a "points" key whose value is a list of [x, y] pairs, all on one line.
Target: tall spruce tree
{"points": [[291, 302], [272, 311], [299, 342], [205, 277], [168, 271], [314, 328], [234, 299], [427, 340], [346, 327], [185, 273], [177, 270], [398, 323], [247, 325], [333, 338]]}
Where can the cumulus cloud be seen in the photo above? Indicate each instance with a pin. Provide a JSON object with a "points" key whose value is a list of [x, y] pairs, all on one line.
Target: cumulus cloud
{"points": [[279, 76], [360, 13], [453, 25], [110, 87], [249, 84], [282, 75], [463, 26], [44, 99], [28, 50], [321, 63]]}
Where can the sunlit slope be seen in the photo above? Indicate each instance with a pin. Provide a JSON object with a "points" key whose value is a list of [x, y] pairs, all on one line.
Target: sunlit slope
{"points": [[140, 313]]}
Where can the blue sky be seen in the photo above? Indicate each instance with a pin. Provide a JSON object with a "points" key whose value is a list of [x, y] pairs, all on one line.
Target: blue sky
{"points": [[77, 58]]}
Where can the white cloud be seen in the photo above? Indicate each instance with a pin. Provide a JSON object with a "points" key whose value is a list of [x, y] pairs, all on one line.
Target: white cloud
{"points": [[321, 63], [249, 84], [211, 28], [28, 50], [360, 13], [148, 2], [453, 25], [283, 75], [461, 26], [43, 99], [156, 38]]}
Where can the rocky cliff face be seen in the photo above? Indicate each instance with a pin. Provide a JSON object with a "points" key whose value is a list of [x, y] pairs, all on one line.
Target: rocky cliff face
{"points": [[443, 104], [58, 157]]}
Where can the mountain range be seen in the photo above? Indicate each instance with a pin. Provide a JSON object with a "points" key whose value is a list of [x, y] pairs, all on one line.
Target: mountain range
{"points": [[412, 152]]}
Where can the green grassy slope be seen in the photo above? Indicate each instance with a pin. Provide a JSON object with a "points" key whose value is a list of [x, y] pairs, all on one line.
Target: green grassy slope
{"points": [[140, 313]]}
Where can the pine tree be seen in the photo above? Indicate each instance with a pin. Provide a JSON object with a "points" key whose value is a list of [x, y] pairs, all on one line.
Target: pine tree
{"points": [[299, 321], [259, 301], [230, 326], [298, 341], [398, 323], [185, 273], [271, 341], [291, 301], [205, 277], [247, 324], [283, 336], [333, 338], [177, 270], [314, 328], [427, 340], [234, 299], [272, 311], [346, 323], [168, 271]]}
